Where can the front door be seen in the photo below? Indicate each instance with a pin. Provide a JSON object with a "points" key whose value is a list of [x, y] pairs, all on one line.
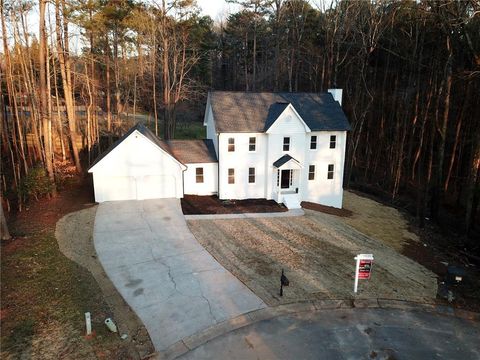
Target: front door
{"points": [[285, 180]]}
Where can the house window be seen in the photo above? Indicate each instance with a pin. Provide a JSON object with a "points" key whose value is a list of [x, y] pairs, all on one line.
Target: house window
{"points": [[231, 144], [252, 144], [251, 175], [333, 141], [286, 143], [313, 142], [199, 175], [311, 172], [330, 171], [231, 176]]}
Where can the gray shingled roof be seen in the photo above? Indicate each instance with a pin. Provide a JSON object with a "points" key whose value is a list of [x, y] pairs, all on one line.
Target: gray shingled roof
{"points": [[256, 112], [283, 160], [203, 148], [192, 151]]}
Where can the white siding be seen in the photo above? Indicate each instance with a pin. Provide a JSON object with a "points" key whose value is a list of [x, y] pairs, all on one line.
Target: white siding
{"points": [[287, 123], [241, 160], [137, 169], [210, 177], [269, 148], [322, 190]]}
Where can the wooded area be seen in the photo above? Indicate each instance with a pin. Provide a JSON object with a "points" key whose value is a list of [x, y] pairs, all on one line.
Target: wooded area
{"points": [[410, 71]]}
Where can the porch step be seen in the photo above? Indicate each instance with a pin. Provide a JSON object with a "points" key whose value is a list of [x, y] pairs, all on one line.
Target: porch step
{"points": [[291, 201]]}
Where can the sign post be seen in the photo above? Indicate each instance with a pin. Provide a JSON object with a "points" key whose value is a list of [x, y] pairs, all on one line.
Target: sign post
{"points": [[363, 268]]}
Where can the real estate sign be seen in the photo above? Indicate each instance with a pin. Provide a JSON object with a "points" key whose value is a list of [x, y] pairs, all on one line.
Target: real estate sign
{"points": [[363, 268]]}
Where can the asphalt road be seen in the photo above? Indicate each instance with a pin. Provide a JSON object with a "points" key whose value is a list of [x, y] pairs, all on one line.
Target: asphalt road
{"points": [[349, 334]]}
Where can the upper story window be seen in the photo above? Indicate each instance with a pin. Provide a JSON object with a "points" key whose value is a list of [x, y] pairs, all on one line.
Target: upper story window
{"points": [[333, 141], [286, 143], [251, 175], [199, 175], [311, 172], [313, 142], [231, 144], [252, 144], [231, 176], [331, 169]]}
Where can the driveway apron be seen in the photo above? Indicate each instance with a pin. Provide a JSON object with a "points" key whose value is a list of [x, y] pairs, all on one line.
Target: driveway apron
{"points": [[173, 284]]}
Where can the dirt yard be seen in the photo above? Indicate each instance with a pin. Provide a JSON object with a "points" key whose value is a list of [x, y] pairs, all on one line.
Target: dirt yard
{"points": [[45, 294], [378, 221], [202, 205], [316, 251]]}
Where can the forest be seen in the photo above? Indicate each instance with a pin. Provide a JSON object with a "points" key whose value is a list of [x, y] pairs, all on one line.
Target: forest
{"points": [[77, 74]]}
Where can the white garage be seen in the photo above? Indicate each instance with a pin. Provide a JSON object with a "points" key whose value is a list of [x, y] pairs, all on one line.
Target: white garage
{"points": [[138, 166]]}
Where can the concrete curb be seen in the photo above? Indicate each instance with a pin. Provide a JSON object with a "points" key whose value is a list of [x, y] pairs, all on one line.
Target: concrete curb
{"points": [[191, 342], [289, 213]]}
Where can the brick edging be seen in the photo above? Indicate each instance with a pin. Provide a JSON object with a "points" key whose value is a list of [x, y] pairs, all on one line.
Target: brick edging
{"points": [[193, 341]]}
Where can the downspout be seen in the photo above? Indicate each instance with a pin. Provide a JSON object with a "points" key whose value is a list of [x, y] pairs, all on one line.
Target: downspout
{"points": [[218, 167], [183, 181]]}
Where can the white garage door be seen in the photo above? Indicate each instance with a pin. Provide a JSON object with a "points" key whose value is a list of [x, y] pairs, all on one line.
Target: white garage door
{"points": [[118, 188], [112, 188], [156, 187]]}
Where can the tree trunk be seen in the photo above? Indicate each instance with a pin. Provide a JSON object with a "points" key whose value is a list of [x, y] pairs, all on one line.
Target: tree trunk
{"points": [[472, 184], [107, 85], [45, 119], [65, 71], [437, 191], [5, 234]]}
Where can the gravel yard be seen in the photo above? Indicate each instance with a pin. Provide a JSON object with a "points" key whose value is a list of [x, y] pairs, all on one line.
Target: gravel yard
{"points": [[316, 251]]}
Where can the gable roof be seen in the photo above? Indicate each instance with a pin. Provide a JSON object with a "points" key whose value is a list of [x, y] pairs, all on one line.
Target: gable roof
{"points": [[256, 111], [192, 151], [283, 160], [142, 129]]}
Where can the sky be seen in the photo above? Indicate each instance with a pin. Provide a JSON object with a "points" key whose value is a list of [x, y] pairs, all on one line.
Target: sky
{"points": [[217, 9]]}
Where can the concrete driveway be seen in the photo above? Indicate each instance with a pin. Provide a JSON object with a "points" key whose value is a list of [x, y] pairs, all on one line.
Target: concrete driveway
{"points": [[173, 284]]}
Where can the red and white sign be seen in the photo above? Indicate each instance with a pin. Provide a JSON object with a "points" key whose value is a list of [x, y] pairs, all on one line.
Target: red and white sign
{"points": [[363, 268]]}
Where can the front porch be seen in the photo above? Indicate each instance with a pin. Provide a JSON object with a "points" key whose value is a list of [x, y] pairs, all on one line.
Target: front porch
{"points": [[287, 181]]}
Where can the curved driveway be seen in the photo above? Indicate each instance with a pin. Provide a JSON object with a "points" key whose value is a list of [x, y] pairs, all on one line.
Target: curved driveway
{"points": [[173, 284]]}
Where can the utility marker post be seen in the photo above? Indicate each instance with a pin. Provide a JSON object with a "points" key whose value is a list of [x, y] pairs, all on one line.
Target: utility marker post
{"points": [[363, 268], [88, 323]]}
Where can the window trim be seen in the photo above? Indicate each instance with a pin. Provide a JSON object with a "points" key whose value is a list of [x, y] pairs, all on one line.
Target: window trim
{"points": [[231, 144], [311, 173], [331, 173], [197, 175], [287, 144], [250, 175], [333, 142], [254, 144], [231, 176], [312, 142]]}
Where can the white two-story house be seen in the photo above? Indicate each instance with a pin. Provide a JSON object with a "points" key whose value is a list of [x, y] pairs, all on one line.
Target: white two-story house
{"points": [[289, 147]]}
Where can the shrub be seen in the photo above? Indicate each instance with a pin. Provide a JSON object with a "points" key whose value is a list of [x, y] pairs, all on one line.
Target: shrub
{"points": [[65, 172], [36, 183]]}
